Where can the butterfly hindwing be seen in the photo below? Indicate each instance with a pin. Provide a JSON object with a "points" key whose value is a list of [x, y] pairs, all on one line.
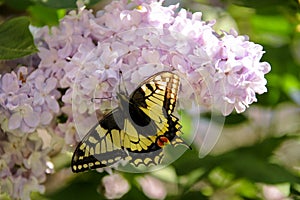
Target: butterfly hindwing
{"points": [[137, 130], [101, 147], [154, 155]]}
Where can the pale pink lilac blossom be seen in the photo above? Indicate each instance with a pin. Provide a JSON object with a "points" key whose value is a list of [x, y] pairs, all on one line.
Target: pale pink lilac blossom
{"points": [[225, 71], [115, 186], [153, 187]]}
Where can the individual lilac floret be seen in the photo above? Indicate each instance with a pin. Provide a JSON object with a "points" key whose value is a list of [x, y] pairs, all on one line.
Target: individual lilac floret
{"points": [[25, 118]]}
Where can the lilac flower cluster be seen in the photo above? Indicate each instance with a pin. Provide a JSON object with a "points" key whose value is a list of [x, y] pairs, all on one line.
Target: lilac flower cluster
{"points": [[86, 52], [28, 100], [23, 165], [81, 59]]}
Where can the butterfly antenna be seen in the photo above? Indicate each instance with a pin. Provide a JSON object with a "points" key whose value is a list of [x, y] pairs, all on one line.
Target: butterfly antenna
{"points": [[122, 83], [94, 98]]}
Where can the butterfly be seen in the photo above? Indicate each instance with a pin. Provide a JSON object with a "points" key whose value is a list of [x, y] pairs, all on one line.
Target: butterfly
{"points": [[137, 130]]}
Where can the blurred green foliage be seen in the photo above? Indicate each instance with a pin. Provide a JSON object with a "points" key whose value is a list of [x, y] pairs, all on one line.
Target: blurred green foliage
{"points": [[237, 173], [16, 40]]}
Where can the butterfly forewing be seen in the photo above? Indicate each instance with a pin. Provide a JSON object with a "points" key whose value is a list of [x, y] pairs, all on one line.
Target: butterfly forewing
{"points": [[157, 94], [137, 134]]}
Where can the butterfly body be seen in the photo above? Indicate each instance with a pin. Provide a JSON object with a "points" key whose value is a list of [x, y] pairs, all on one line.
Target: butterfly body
{"points": [[137, 130]]}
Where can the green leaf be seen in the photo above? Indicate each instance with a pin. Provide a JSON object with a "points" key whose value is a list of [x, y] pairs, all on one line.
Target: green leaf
{"points": [[88, 184], [85, 185], [257, 170], [42, 15], [15, 39], [295, 191], [252, 163], [134, 193], [17, 4], [245, 188], [272, 29], [193, 195], [260, 4]]}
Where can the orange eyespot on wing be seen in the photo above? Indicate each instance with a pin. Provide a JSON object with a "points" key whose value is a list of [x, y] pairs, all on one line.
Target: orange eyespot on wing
{"points": [[162, 140]]}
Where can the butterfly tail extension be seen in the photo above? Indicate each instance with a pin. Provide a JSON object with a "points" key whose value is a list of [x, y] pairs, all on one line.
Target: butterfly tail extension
{"points": [[175, 127]]}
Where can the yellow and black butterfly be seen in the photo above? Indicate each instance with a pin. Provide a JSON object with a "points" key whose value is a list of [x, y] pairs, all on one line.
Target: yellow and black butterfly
{"points": [[135, 131]]}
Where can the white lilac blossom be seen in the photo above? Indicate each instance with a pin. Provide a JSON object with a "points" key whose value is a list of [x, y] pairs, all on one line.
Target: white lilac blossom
{"points": [[272, 193], [153, 187], [115, 186], [81, 58]]}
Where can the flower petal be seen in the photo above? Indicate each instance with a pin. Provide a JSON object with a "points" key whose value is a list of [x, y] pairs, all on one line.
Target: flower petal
{"points": [[10, 83], [46, 118], [14, 121], [32, 119]]}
